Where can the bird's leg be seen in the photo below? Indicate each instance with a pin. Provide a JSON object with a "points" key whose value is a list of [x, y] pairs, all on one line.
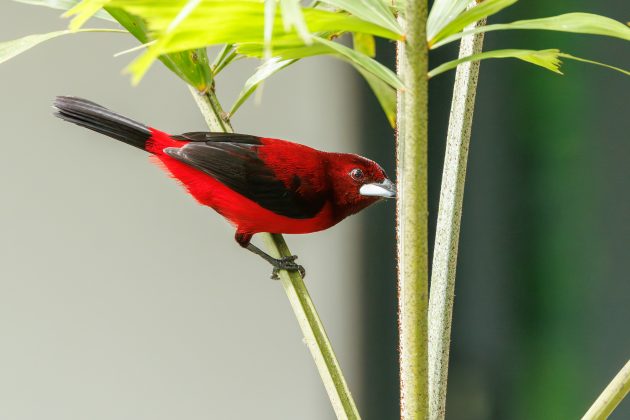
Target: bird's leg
{"points": [[285, 263]]}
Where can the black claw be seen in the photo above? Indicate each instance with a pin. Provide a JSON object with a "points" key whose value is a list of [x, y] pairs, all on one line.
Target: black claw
{"points": [[287, 263]]}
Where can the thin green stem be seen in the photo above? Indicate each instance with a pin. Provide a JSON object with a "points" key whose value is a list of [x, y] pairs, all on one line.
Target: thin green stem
{"points": [[448, 223], [225, 50], [610, 398], [225, 57], [293, 285], [314, 334], [230, 58], [412, 211]]}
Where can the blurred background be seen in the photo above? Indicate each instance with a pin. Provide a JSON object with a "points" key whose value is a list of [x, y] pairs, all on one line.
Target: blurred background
{"points": [[121, 298]]}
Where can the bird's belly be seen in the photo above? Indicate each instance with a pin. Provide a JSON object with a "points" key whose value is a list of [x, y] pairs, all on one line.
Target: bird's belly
{"points": [[264, 220]]}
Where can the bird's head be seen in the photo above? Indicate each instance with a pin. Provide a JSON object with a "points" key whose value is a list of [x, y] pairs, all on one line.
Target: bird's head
{"points": [[357, 182]]}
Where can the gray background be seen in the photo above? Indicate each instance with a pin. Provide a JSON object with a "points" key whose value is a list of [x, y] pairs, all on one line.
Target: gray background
{"points": [[120, 296]]}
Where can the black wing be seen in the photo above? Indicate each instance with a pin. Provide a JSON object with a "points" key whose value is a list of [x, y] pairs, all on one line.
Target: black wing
{"points": [[237, 165], [205, 136]]}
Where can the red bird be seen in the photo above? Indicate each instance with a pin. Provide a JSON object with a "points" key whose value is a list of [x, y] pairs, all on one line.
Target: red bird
{"points": [[258, 184]]}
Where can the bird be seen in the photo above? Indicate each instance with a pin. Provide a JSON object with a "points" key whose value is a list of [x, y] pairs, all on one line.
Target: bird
{"points": [[258, 184]]}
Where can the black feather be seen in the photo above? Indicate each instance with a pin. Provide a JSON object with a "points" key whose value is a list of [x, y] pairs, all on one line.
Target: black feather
{"points": [[97, 118], [238, 166], [204, 136]]}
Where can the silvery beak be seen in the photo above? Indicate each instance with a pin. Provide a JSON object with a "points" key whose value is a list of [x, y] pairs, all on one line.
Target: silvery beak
{"points": [[385, 189]]}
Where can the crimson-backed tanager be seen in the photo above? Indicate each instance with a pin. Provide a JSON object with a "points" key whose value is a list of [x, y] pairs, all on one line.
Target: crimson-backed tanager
{"points": [[258, 184]]}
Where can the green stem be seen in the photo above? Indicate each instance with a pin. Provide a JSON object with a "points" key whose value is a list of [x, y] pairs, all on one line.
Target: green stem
{"points": [[225, 57], [448, 223], [218, 61], [610, 398], [412, 225], [211, 110], [293, 285], [314, 334]]}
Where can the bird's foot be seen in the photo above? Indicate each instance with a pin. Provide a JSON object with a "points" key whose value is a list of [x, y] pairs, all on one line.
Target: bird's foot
{"points": [[286, 263]]}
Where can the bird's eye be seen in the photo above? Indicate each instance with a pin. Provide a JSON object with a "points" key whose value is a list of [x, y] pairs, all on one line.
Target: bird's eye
{"points": [[356, 174]]}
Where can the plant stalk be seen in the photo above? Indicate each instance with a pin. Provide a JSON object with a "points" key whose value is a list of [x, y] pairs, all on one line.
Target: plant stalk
{"points": [[412, 211], [444, 266], [314, 334], [610, 398]]}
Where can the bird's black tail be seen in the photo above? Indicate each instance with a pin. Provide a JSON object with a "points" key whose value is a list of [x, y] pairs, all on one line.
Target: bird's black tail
{"points": [[95, 117]]}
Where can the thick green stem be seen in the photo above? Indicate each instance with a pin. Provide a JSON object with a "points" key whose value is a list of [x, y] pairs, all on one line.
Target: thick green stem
{"points": [[211, 110], [611, 396], [293, 285], [448, 223], [412, 226]]}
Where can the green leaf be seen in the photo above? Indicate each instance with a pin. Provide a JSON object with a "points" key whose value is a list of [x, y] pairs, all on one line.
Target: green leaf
{"points": [[442, 13], [284, 52], [10, 49], [362, 61], [385, 94], [364, 44], [63, 5], [191, 65], [266, 70], [292, 17], [479, 11], [183, 13], [242, 21], [216, 22], [375, 11], [321, 47], [582, 23], [223, 58], [231, 22], [84, 11], [597, 63], [549, 59]]}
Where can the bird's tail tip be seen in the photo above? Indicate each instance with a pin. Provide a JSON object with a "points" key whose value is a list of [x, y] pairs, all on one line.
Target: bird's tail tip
{"points": [[96, 117]]}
